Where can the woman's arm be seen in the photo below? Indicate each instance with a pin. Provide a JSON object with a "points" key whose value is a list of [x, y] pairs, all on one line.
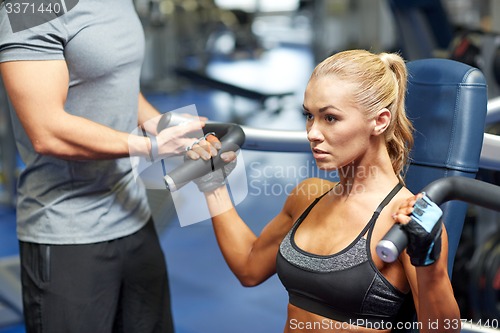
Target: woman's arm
{"points": [[435, 303], [252, 259], [436, 306]]}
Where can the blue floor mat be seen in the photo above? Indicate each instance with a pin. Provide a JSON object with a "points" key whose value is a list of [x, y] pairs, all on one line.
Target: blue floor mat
{"points": [[13, 329], [8, 241]]}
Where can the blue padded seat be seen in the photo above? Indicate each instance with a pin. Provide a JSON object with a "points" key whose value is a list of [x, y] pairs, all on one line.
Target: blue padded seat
{"points": [[447, 103]]}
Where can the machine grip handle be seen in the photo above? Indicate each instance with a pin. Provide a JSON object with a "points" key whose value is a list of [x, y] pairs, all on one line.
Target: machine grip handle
{"points": [[393, 243], [231, 137], [440, 191]]}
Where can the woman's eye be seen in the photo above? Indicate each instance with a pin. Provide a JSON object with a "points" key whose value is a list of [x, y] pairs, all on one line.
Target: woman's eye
{"points": [[330, 118], [307, 115]]}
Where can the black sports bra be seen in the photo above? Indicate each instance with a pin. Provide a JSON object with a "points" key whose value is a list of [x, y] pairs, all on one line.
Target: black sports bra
{"points": [[346, 286]]}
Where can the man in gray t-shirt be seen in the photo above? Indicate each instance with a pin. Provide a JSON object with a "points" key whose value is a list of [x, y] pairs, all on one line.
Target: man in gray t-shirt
{"points": [[89, 253]]}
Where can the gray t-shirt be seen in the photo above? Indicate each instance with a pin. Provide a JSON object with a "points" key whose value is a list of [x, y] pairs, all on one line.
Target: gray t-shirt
{"points": [[78, 202]]}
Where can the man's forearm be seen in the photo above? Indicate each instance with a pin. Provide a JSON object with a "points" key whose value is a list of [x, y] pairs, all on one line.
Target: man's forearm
{"points": [[147, 115]]}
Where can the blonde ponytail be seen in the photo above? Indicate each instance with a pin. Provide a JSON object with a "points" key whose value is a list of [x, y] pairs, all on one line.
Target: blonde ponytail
{"points": [[399, 136]]}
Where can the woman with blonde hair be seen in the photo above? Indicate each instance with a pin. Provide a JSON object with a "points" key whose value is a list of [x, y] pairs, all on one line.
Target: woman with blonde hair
{"points": [[323, 248]]}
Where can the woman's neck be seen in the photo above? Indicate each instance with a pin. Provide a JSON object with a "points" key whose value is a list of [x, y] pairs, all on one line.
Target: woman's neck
{"points": [[371, 173]]}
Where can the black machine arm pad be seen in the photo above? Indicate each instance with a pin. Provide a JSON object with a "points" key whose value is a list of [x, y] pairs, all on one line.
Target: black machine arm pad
{"points": [[231, 137]]}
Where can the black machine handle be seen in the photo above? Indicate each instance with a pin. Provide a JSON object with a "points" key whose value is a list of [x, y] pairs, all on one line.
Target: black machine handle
{"points": [[230, 135], [440, 191]]}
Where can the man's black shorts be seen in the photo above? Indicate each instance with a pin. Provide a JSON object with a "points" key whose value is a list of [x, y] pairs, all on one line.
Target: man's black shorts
{"points": [[114, 286]]}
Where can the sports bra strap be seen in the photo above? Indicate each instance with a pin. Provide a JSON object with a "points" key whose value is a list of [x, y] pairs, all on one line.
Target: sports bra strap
{"points": [[311, 206], [384, 203], [369, 226], [388, 198]]}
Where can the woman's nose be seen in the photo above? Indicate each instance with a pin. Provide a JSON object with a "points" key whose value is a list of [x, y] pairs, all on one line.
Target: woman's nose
{"points": [[314, 133]]}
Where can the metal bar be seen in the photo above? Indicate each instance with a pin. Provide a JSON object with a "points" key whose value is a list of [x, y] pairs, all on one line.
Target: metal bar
{"points": [[474, 328], [296, 141], [493, 114], [464, 189], [490, 154], [275, 140]]}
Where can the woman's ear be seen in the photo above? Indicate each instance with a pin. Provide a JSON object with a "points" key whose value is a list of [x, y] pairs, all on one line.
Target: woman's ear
{"points": [[382, 121]]}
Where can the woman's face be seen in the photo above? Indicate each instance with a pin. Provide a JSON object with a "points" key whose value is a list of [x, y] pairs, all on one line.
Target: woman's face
{"points": [[339, 132]]}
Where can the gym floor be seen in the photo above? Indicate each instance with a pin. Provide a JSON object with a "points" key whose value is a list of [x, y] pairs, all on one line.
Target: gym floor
{"points": [[206, 297]]}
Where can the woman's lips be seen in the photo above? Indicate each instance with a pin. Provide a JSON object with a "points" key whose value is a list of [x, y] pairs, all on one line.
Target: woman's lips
{"points": [[319, 154]]}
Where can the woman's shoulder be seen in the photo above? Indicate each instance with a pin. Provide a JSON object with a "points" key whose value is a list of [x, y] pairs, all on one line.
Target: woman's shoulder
{"points": [[393, 205], [402, 195], [312, 188], [306, 192]]}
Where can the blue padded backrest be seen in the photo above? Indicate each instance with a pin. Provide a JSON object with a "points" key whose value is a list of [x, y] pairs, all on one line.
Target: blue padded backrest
{"points": [[447, 103]]}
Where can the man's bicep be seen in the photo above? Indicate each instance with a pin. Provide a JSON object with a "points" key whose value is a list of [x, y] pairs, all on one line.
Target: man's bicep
{"points": [[37, 91]]}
